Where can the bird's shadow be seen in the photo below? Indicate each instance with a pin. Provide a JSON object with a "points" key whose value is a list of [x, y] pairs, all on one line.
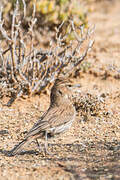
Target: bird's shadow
{"points": [[48, 157], [8, 153], [50, 154]]}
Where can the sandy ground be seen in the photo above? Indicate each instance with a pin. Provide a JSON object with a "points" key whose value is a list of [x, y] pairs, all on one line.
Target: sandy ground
{"points": [[91, 148]]}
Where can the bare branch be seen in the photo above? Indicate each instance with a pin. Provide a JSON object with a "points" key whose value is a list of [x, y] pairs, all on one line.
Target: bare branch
{"points": [[31, 70]]}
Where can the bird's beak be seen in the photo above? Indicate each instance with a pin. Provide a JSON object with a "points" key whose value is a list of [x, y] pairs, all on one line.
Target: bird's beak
{"points": [[76, 85], [76, 88]]}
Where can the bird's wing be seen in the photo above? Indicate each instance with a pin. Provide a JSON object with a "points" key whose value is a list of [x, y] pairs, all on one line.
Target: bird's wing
{"points": [[55, 116]]}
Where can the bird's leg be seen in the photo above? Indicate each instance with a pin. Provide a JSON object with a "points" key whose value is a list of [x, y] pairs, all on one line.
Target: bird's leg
{"points": [[46, 144], [39, 146]]}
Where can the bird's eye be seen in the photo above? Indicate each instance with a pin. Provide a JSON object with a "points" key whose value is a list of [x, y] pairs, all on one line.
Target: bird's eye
{"points": [[69, 85], [60, 92]]}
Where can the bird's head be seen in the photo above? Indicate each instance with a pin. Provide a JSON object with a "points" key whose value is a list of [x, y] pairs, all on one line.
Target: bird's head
{"points": [[62, 89]]}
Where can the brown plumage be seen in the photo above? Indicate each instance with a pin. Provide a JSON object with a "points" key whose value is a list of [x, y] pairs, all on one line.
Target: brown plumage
{"points": [[57, 119]]}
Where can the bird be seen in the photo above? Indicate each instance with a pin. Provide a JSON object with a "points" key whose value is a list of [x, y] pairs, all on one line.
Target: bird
{"points": [[57, 119]]}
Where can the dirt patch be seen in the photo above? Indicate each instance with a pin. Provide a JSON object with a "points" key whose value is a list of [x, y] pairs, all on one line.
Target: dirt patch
{"points": [[91, 149]]}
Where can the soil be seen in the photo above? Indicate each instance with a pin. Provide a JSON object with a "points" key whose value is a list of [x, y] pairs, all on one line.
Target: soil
{"points": [[91, 148]]}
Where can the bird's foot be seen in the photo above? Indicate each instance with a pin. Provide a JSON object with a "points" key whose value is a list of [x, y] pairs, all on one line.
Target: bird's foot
{"points": [[47, 152]]}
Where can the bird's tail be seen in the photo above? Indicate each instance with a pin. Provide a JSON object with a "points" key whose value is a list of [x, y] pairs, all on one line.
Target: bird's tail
{"points": [[17, 149]]}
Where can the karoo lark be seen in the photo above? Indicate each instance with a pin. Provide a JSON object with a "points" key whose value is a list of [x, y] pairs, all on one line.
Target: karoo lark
{"points": [[57, 119]]}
